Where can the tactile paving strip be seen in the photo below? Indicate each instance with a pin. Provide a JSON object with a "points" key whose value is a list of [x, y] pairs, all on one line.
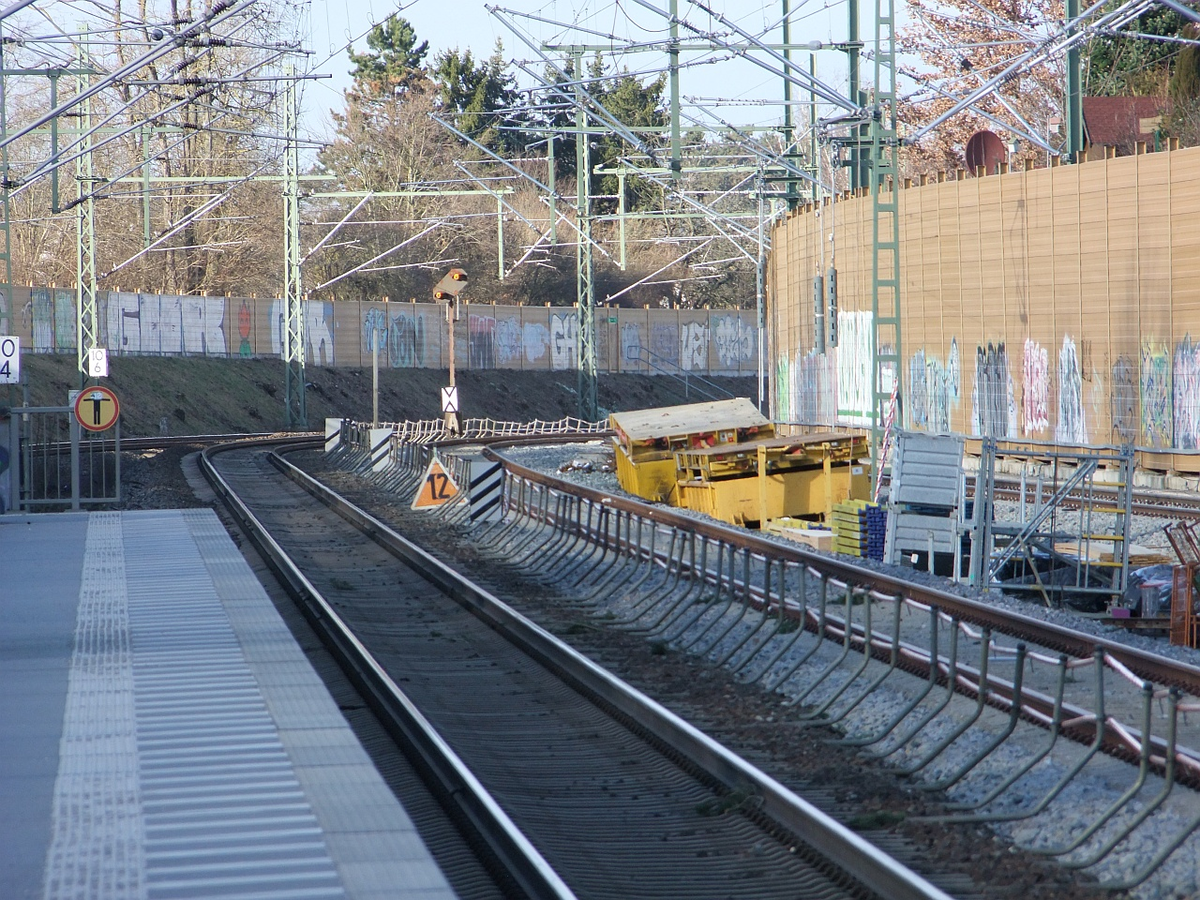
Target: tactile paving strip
{"points": [[96, 840], [225, 815], [201, 756]]}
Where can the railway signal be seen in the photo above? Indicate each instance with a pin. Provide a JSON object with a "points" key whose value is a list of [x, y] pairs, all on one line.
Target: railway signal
{"points": [[447, 291]]}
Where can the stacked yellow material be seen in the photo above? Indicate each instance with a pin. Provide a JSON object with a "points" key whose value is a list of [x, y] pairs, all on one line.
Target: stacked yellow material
{"points": [[859, 528]]}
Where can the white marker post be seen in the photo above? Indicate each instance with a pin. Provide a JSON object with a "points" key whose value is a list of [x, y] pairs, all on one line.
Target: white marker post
{"points": [[97, 362], [10, 359]]}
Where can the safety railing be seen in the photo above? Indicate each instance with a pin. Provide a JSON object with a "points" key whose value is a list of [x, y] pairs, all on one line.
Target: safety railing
{"points": [[830, 637], [58, 464]]}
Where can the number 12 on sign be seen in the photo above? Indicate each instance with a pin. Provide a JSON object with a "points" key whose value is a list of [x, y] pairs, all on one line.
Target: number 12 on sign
{"points": [[437, 487]]}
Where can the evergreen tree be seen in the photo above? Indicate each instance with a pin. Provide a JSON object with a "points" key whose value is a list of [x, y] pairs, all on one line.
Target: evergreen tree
{"points": [[395, 63], [635, 105], [480, 96], [1121, 66], [1185, 82]]}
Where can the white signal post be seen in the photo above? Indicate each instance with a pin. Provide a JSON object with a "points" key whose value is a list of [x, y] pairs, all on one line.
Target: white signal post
{"points": [[10, 359], [97, 362]]}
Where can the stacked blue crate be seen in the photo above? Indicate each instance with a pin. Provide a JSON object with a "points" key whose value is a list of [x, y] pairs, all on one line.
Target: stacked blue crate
{"points": [[876, 521]]}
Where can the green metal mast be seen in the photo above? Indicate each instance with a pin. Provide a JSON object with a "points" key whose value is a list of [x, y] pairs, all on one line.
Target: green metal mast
{"points": [[293, 297], [857, 174], [88, 326], [1074, 92], [885, 232], [6, 300], [673, 77], [789, 128], [584, 281]]}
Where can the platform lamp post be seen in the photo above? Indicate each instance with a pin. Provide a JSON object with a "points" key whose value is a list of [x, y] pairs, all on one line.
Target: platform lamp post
{"points": [[447, 291]]}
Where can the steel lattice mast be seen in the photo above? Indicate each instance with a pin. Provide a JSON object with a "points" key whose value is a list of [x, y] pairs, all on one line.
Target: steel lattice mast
{"points": [[88, 325], [885, 233], [294, 351]]}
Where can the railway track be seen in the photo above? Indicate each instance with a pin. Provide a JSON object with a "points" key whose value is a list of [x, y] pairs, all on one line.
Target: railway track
{"points": [[753, 606], [1145, 503], [533, 745]]}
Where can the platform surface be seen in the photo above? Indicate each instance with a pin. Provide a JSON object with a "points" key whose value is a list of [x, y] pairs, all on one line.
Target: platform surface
{"points": [[163, 736]]}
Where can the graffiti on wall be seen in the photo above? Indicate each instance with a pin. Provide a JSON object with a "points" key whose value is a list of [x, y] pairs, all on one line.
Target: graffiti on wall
{"points": [[1187, 394], [693, 346], [918, 391], [1071, 427], [631, 343], [66, 320], [481, 342], [536, 340], [1123, 401], [783, 390], [816, 389], [934, 389], [133, 323], [853, 354], [564, 331], [406, 341], [204, 326], [945, 388], [375, 330], [734, 342], [318, 330], [161, 324], [1035, 389], [664, 343], [508, 340], [993, 405], [165, 324], [1155, 394], [245, 350], [53, 320], [43, 320]]}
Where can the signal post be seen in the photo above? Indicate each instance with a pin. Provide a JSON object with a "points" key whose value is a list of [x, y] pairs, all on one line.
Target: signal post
{"points": [[447, 291]]}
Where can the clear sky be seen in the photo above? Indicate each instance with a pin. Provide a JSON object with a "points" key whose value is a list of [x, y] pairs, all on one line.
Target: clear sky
{"points": [[467, 23]]}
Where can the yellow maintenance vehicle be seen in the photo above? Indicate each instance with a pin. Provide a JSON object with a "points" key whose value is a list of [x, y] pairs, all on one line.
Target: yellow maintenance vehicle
{"points": [[725, 459]]}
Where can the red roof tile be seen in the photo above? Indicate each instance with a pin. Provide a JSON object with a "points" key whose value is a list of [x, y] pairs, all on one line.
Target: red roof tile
{"points": [[1111, 121]]}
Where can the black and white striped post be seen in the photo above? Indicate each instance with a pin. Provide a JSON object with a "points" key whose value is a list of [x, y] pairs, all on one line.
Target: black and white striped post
{"points": [[484, 490]]}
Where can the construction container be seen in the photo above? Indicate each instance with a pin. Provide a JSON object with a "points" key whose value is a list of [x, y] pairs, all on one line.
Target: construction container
{"points": [[757, 481], [646, 440]]}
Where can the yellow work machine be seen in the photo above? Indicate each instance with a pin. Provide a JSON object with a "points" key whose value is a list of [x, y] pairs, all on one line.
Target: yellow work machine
{"points": [[724, 459]]}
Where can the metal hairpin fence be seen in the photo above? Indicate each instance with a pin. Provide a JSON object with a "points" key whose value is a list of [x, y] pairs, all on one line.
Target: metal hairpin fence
{"points": [[61, 465]]}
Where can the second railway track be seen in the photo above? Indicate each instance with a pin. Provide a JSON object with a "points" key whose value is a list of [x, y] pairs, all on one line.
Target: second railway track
{"points": [[621, 799]]}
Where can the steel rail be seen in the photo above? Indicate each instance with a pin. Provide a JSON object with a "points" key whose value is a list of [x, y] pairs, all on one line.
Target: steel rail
{"points": [[403, 720], [1074, 643], [566, 528], [842, 847], [1074, 722]]}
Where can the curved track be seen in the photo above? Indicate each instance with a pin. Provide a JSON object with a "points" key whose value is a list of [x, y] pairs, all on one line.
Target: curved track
{"points": [[620, 797], [735, 599]]}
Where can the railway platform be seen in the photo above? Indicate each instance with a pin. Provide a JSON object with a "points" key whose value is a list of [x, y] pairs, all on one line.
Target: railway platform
{"points": [[162, 734]]}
